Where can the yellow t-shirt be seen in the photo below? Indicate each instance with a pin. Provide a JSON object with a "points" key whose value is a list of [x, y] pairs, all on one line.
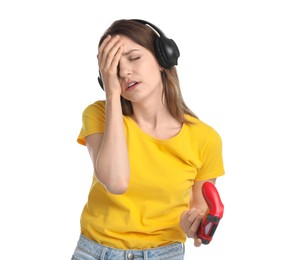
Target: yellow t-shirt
{"points": [[162, 173]]}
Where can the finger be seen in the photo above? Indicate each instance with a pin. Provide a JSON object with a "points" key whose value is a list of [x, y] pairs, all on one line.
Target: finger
{"points": [[197, 242], [102, 46], [184, 220], [107, 52], [194, 221], [113, 57], [197, 221], [184, 216]]}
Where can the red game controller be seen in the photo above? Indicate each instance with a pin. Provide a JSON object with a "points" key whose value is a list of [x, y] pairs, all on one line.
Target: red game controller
{"points": [[213, 216]]}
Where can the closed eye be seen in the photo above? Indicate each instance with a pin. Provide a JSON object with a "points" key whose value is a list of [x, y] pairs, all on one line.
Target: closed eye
{"points": [[135, 58]]}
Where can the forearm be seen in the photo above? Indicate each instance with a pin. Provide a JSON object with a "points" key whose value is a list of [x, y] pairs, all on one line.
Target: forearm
{"points": [[112, 163], [197, 200]]}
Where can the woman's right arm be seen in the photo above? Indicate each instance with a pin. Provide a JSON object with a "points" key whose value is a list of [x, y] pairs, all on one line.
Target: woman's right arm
{"points": [[109, 151]]}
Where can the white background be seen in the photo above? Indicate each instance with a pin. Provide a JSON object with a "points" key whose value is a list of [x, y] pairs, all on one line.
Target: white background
{"points": [[232, 70]]}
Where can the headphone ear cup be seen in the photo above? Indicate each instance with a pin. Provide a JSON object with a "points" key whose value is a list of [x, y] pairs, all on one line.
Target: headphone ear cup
{"points": [[100, 80], [167, 52]]}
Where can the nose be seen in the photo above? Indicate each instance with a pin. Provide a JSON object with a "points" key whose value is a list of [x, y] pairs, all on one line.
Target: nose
{"points": [[124, 69]]}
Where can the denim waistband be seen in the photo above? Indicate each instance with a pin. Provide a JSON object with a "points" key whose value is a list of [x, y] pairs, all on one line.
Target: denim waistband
{"points": [[97, 251]]}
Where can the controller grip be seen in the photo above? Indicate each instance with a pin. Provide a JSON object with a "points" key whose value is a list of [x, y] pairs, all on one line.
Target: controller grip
{"points": [[215, 212]]}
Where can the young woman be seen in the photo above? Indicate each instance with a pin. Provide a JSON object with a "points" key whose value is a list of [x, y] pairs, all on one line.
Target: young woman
{"points": [[150, 152]]}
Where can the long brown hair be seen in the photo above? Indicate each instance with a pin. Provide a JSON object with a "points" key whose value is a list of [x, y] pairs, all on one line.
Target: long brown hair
{"points": [[145, 36]]}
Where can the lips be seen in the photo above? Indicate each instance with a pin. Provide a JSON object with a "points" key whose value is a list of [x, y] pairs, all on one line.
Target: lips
{"points": [[132, 85]]}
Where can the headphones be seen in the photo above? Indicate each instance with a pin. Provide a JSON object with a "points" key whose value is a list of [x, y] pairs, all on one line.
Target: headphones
{"points": [[166, 50]]}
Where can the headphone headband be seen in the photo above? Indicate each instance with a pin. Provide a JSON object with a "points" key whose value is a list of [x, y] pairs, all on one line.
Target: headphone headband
{"points": [[152, 26]]}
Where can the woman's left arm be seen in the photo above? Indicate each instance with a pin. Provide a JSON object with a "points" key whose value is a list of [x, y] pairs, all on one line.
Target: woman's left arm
{"points": [[192, 218]]}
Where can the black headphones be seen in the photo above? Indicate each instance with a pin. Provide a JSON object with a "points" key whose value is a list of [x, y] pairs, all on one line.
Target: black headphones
{"points": [[166, 50]]}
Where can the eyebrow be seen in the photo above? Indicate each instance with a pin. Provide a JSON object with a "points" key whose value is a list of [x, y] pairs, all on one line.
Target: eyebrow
{"points": [[128, 52]]}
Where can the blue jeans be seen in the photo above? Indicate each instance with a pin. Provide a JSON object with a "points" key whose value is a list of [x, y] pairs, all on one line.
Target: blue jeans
{"points": [[87, 249]]}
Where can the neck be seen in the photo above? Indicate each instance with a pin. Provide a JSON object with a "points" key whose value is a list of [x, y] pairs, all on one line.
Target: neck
{"points": [[156, 121], [152, 115]]}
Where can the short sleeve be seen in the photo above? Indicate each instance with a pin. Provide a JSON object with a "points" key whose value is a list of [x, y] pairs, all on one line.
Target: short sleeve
{"points": [[211, 157], [93, 121]]}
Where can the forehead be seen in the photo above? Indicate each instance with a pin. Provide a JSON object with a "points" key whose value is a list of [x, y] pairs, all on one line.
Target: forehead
{"points": [[130, 44], [131, 47]]}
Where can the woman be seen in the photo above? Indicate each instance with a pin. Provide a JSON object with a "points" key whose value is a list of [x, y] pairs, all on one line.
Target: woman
{"points": [[150, 152]]}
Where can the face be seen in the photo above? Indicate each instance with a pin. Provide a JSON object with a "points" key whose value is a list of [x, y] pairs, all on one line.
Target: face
{"points": [[139, 73]]}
